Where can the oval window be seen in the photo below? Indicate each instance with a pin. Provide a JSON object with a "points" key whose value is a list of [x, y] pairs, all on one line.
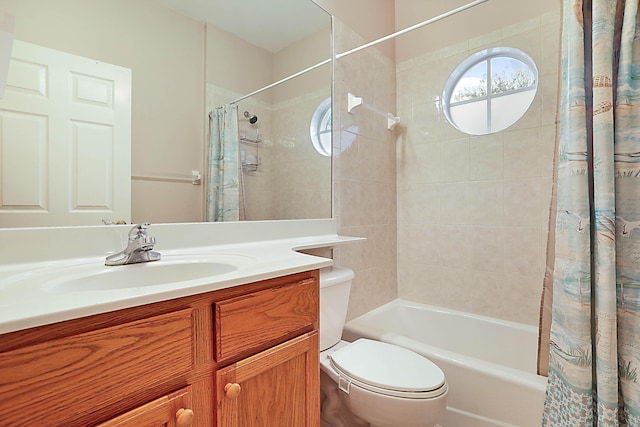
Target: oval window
{"points": [[490, 90], [320, 128]]}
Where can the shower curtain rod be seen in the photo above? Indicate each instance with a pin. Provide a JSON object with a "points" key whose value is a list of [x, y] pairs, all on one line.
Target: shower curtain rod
{"points": [[366, 45], [411, 28], [255, 92]]}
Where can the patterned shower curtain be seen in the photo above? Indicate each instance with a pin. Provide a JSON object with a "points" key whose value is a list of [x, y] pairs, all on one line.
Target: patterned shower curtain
{"points": [[594, 351], [223, 194]]}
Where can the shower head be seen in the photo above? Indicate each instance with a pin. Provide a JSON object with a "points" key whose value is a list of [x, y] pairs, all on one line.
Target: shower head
{"points": [[252, 117]]}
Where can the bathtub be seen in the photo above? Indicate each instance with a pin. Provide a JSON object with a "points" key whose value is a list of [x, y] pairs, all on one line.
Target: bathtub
{"points": [[490, 364]]}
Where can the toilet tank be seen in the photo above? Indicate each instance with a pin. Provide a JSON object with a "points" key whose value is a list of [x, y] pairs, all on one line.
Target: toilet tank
{"points": [[335, 285]]}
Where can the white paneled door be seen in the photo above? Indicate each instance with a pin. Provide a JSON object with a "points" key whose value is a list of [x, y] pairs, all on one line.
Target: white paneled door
{"points": [[65, 140]]}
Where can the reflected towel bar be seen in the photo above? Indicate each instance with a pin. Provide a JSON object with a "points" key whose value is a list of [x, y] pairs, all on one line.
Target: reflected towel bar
{"points": [[195, 178]]}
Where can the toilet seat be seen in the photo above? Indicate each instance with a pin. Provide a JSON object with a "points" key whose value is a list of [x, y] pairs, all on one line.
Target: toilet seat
{"points": [[387, 369]]}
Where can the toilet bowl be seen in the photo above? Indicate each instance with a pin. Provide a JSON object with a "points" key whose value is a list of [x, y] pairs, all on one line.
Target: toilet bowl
{"points": [[370, 382]]}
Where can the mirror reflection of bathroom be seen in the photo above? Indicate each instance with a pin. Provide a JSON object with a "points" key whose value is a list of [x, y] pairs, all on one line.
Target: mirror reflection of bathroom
{"points": [[280, 174], [174, 49]]}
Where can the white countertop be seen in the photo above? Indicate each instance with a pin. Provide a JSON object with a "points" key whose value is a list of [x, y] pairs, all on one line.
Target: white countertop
{"points": [[32, 260]]}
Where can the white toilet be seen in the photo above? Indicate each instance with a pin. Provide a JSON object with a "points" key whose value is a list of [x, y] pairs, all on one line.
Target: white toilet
{"points": [[371, 383]]}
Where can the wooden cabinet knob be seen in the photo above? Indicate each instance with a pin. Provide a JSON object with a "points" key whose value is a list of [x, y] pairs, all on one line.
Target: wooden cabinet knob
{"points": [[232, 390], [184, 417]]}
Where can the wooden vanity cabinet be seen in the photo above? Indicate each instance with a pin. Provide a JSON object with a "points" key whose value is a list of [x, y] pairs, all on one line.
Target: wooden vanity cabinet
{"points": [[279, 385], [244, 356]]}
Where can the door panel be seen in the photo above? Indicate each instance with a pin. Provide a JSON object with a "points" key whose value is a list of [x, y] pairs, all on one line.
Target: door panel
{"points": [[65, 140]]}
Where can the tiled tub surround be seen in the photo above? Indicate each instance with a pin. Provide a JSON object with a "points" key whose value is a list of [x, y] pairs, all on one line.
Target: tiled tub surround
{"points": [[473, 210], [268, 248]]}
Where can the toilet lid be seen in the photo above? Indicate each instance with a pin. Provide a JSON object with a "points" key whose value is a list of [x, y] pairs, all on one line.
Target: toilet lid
{"points": [[388, 369]]}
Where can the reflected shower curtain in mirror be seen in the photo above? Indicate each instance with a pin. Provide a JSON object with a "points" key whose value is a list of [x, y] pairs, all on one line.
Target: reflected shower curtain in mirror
{"points": [[223, 194], [594, 351]]}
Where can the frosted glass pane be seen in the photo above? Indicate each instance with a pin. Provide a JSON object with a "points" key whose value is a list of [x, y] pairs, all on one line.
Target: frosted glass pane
{"points": [[325, 143], [470, 118], [506, 110]]}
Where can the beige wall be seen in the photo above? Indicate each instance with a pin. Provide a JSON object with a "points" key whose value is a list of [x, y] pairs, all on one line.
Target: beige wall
{"points": [[165, 52], [237, 65], [299, 56], [243, 68], [473, 210]]}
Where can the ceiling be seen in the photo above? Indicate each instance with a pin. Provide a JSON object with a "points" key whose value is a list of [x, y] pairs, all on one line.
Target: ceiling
{"points": [[271, 25]]}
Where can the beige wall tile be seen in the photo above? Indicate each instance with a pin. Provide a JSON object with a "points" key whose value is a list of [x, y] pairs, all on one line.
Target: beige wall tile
{"points": [[484, 289], [523, 254], [486, 157], [454, 158], [454, 288], [455, 250], [419, 161], [522, 200], [454, 203], [486, 201], [522, 150], [418, 282], [486, 249]]}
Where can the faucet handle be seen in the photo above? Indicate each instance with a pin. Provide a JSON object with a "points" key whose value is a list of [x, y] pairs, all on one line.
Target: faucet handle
{"points": [[139, 248], [139, 231]]}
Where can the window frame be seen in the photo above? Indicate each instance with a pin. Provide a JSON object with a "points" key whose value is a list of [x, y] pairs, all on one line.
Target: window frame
{"points": [[486, 55], [316, 128]]}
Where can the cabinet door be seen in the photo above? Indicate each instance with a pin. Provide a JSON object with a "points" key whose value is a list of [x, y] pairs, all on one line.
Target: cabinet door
{"points": [[76, 380], [168, 411], [277, 387]]}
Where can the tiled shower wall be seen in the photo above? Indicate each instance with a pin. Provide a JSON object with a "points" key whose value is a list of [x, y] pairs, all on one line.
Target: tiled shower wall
{"points": [[364, 171], [473, 210]]}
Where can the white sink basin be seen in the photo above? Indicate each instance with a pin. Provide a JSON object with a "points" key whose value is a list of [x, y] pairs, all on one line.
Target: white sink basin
{"points": [[93, 275], [141, 275]]}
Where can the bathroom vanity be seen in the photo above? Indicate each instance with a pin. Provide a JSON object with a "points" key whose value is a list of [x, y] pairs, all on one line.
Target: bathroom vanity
{"points": [[231, 356], [241, 350]]}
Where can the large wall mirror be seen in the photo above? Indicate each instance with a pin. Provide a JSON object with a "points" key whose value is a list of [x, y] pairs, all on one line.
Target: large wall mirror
{"points": [[186, 58]]}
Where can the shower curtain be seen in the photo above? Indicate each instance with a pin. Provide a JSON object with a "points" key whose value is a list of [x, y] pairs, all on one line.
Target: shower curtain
{"points": [[594, 341], [223, 194]]}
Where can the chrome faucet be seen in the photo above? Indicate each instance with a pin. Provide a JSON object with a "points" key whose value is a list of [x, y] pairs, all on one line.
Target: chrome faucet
{"points": [[139, 248]]}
